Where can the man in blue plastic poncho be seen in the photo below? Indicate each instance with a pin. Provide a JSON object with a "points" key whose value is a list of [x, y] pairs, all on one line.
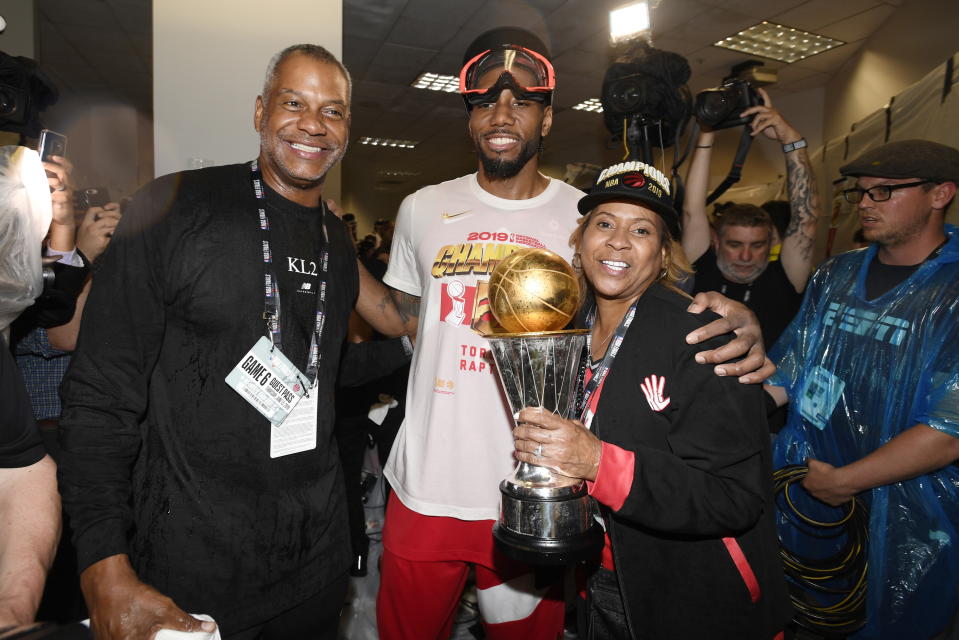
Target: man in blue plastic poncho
{"points": [[871, 363]]}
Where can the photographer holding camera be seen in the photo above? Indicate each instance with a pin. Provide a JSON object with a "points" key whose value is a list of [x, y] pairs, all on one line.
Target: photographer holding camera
{"points": [[29, 503], [732, 257]]}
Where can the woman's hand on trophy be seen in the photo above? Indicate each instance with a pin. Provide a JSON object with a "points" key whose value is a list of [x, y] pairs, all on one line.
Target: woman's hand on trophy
{"points": [[560, 445]]}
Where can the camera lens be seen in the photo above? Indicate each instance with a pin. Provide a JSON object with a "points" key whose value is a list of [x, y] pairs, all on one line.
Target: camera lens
{"points": [[7, 102], [626, 96]]}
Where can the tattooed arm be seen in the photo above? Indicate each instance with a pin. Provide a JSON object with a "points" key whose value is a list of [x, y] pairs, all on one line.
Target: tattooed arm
{"points": [[389, 311], [800, 237]]}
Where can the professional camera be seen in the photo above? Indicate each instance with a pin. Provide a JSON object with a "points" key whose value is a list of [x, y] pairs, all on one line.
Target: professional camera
{"points": [[645, 94], [24, 92], [719, 108]]}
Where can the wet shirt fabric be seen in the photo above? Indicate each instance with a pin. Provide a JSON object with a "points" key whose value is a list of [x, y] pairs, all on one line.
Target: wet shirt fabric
{"points": [[164, 461], [858, 373]]}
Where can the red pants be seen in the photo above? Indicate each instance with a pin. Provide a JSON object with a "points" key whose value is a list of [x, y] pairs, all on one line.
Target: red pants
{"points": [[424, 568]]}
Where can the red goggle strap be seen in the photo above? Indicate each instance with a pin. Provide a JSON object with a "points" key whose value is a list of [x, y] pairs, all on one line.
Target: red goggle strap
{"points": [[550, 74]]}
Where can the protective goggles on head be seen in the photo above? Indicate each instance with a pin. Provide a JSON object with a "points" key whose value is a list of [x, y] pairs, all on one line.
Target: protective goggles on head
{"points": [[527, 74]]}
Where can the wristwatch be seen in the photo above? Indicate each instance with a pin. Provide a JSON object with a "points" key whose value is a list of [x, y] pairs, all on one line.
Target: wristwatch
{"points": [[792, 146]]}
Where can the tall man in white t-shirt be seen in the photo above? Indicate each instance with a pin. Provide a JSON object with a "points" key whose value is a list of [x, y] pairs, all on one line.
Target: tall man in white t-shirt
{"points": [[455, 445]]}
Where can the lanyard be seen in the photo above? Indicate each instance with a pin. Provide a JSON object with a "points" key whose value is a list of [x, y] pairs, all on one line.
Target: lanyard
{"points": [[271, 290], [586, 414]]}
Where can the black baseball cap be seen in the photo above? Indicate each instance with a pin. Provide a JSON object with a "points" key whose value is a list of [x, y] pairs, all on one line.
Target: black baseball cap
{"points": [[637, 182], [500, 36], [907, 159]]}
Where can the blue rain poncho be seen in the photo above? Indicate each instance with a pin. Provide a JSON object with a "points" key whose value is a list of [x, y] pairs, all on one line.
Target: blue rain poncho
{"points": [[858, 373]]}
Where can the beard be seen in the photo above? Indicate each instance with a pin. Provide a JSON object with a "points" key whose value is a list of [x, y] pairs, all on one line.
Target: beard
{"points": [[726, 268], [497, 168], [892, 236]]}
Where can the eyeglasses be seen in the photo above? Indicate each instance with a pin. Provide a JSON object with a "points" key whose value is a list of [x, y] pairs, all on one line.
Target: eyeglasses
{"points": [[879, 193], [477, 84]]}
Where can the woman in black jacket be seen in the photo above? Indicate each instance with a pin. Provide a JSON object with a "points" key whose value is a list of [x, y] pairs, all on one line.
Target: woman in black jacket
{"points": [[676, 456]]}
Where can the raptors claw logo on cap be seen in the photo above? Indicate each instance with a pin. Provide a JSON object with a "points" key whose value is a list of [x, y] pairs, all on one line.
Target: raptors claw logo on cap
{"points": [[634, 179]]}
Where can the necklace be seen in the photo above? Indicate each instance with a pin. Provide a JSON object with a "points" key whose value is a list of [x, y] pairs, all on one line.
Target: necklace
{"points": [[605, 340]]}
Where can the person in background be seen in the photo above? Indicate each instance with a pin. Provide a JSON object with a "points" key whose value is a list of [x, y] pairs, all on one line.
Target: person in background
{"points": [[733, 257]]}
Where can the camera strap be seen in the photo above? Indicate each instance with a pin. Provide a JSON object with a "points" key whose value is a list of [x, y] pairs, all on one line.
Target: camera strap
{"points": [[736, 172]]}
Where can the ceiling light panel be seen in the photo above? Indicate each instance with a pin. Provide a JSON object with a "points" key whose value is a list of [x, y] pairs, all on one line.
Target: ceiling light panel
{"points": [[778, 42], [629, 21], [593, 104], [389, 142], [437, 82]]}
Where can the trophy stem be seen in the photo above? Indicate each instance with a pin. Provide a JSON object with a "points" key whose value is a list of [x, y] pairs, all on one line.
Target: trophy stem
{"points": [[545, 517]]}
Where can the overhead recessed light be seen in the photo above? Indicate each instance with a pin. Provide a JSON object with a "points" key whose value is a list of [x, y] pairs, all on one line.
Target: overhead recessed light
{"points": [[437, 82], [593, 104], [628, 21], [389, 142], [778, 42]]}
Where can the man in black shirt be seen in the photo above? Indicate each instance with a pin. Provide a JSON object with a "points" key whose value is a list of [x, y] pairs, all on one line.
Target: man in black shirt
{"points": [[183, 497], [737, 262]]}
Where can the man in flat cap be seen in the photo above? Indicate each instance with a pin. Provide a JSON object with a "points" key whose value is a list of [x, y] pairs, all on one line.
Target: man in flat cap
{"points": [[871, 365]]}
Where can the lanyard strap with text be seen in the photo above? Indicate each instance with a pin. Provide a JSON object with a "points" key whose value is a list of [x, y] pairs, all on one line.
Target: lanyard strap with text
{"points": [[271, 289], [586, 414]]}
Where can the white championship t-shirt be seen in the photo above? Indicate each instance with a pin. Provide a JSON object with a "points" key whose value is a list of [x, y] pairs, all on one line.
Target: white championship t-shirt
{"points": [[455, 445]]}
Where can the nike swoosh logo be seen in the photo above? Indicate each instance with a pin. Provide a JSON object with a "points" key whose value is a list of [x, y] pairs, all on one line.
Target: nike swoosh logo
{"points": [[449, 216]]}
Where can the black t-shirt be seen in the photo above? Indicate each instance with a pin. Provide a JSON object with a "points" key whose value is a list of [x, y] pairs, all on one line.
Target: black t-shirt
{"points": [[20, 444], [771, 296], [880, 277]]}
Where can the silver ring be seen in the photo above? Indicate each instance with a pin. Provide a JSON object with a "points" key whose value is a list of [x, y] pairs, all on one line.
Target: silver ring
{"points": [[538, 451]]}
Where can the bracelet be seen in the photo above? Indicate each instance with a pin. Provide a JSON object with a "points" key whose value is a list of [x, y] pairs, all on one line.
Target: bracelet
{"points": [[792, 146], [704, 146]]}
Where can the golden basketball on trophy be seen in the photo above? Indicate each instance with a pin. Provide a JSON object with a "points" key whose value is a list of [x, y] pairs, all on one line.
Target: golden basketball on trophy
{"points": [[532, 291]]}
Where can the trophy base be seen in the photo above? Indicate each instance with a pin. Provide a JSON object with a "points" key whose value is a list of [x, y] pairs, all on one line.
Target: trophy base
{"points": [[547, 525], [549, 551]]}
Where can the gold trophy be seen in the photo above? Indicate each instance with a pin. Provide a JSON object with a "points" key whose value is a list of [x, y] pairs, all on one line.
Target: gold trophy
{"points": [[545, 517]]}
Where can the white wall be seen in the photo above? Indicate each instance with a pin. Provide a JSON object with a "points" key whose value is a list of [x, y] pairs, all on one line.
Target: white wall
{"points": [[18, 38], [915, 39], [209, 59]]}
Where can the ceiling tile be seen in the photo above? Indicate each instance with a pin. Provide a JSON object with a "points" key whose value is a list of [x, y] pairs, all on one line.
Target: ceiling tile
{"points": [[671, 14], [358, 52], [711, 25], [816, 14], [858, 26], [414, 32], [371, 18], [399, 64], [755, 8], [441, 10], [830, 61]]}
